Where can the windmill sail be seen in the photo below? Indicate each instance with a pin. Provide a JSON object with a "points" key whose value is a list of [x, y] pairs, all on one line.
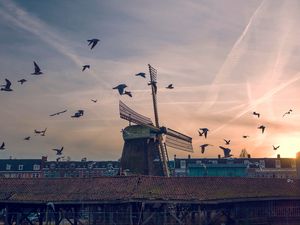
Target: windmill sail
{"points": [[130, 115], [177, 140]]}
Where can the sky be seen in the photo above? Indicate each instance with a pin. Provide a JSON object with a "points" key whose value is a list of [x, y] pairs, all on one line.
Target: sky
{"points": [[226, 59]]}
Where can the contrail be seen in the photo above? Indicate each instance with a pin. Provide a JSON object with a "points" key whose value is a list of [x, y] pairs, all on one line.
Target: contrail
{"points": [[22, 19], [231, 59], [264, 98]]}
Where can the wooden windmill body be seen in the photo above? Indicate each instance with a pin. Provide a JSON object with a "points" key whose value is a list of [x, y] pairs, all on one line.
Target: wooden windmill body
{"points": [[144, 150]]}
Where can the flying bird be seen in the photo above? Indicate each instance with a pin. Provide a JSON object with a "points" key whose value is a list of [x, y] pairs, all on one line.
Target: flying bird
{"points": [[226, 152], [37, 70], [41, 132], [85, 67], [128, 93], [256, 114], [288, 112], [6, 86], [94, 100], [246, 136], [121, 88], [22, 81], [141, 74], [27, 138], [55, 114], [203, 147], [93, 42], [79, 113], [2, 147], [170, 86], [262, 127], [204, 131], [227, 142], [58, 151], [275, 148]]}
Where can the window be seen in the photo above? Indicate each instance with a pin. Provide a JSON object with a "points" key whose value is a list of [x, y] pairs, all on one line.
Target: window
{"points": [[8, 167], [36, 167], [277, 164], [182, 164], [20, 167]]}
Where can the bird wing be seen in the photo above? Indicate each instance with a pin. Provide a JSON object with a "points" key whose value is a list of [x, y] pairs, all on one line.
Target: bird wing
{"points": [[121, 90], [36, 67], [94, 44], [8, 83], [3, 144]]}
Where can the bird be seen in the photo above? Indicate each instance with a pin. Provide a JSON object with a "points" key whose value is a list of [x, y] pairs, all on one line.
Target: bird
{"points": [[93, 42], [85, 67], [227, 142], [22, 81], [203, 147], [153, 84], [6, 86], [141, 74], [55, 114], [41, 132], [58, 151], [262, 127], [121, 88], [59, 158], [94, 100], [204, 131], [275, 148], [170, 86], [128, 93], [27, 138], [37, 70], [246, 136], [226, 152], [288, 112], [79, 113], [2, 147], [256, 114]]}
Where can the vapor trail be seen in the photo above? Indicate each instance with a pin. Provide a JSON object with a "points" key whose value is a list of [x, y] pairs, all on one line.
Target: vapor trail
{"points": [[231, 59]]}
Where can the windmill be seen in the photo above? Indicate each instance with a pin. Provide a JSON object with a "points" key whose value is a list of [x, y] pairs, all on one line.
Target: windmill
{"points": [[145, 151]]}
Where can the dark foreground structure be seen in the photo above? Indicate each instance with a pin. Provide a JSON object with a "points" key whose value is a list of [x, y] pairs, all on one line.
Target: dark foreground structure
{"points": [[141, 200]]}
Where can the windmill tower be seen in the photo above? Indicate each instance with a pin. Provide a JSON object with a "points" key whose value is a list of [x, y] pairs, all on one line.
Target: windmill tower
{"points": [[145, 151]]}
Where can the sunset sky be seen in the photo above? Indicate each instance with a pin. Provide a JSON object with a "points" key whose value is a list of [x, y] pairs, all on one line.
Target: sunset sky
{"points": [[225, 59]]}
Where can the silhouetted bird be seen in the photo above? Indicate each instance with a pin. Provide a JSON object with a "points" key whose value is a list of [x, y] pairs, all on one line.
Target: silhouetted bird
{"points": [[141, 75], [2, 147], [128, 93], [288, 112], [153, 84], [262, 127], [227, 142], [170, 86], [6, 86], [93, 42], [37, 70], [59, 158], [41, 132], [121, 88], [94, 100], [58, 151], [27, 138], [204, 131], [226, 152], [203, 147], [55, 114], [22, 81], [275, 148], [256, 114], [246, 136], [79, 113], [85, 67]]}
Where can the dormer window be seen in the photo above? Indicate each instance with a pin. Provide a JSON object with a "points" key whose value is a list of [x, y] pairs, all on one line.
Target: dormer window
{"points": [[21, 167], [8, 167], [36, 167]]}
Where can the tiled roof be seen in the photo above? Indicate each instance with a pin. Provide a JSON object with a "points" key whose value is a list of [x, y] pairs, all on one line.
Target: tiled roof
{"points": [[136, 188]]}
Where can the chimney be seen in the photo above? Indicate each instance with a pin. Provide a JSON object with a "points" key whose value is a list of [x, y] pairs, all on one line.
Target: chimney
{"points": [[219, 156], [44, 158], [278, 156], [249, 156], [298, 164]]}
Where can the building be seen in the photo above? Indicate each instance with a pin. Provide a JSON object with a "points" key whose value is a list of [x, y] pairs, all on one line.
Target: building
{"points": [[22, 168], [249, 167]]}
